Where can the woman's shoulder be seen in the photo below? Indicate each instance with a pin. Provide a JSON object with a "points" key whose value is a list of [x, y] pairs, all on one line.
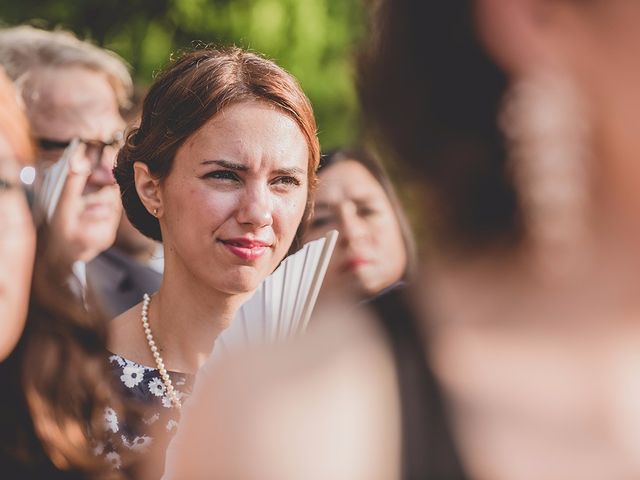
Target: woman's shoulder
{"points": [[126, 336], [330, 395]]}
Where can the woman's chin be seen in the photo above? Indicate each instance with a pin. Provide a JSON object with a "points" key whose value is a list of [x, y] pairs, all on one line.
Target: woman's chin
{"points": [[239, 285]]}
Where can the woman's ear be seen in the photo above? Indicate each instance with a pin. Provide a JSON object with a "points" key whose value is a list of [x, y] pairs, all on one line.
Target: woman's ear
{"points": [[148, 188], [521, 35]]}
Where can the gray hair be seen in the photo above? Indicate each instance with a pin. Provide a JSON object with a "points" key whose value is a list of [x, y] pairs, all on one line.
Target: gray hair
{"points": [[25, 48]]}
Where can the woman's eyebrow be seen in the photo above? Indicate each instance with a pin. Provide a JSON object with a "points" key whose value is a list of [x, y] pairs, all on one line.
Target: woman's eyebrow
{"points": [[290, 171], [365, 199], [226, 164], [243, 168], [323, 206]]}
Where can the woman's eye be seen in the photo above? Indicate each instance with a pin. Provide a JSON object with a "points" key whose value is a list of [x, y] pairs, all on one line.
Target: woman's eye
{"points": [[222, 175], [367, 211], [287, 181]]}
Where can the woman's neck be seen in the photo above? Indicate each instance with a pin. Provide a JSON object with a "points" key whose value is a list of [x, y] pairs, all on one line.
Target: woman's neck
{"points": [[506, 289], [186, 317]]}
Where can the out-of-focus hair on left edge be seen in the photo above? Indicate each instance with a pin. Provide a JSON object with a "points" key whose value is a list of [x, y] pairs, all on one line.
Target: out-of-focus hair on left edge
{"points": [[14, 124]]}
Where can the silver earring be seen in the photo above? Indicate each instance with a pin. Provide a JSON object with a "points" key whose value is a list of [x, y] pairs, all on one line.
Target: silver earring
{"points": [[546, 128]]}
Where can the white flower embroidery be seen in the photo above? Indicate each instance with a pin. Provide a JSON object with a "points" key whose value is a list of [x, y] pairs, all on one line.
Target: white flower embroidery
{"points": [[151, 420], [114, 459], [98, 449], [132, 375], [138, 444], [171, 425], [166, 400], [156, 387], [117, 359], [110, 419]]}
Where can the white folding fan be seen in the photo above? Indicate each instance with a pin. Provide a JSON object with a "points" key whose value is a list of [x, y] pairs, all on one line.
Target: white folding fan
{"points": [[282, 304], [280, 308], [47, 193]]}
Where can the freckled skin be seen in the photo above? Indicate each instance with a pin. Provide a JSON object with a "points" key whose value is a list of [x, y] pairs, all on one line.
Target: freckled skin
{"points": [[206, 203]]}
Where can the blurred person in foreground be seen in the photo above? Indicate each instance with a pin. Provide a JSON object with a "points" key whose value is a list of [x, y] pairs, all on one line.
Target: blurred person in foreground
{"points": [[375, 248], [220, 171], [518, 356], [73, 90], [52, 368]]}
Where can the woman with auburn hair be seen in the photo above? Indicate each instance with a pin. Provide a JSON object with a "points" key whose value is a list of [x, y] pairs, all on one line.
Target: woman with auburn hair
{"points": [[220, 171], [55, 379]]}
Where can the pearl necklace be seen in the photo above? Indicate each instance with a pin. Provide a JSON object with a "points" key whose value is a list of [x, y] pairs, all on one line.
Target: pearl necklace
{"points": [[171, 392]]}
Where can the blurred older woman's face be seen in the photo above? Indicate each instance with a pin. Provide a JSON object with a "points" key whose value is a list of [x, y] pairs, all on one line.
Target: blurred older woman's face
{"points": [[17, 249], [371, 253]]}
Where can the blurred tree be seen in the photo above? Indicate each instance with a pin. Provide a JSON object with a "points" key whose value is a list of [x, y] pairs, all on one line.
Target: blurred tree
{"points": [[313, 39]]}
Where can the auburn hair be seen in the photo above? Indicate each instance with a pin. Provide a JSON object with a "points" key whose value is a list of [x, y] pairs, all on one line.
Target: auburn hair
{"points": [[190, 92]]}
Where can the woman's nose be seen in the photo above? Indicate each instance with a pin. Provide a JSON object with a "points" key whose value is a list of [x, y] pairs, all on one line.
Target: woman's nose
{"points": [[352, 229], [256, 208]]}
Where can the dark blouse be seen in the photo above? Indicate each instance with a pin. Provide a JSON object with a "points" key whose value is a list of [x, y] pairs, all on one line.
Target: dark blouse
{"points": [[428, 447], [144, 386]]}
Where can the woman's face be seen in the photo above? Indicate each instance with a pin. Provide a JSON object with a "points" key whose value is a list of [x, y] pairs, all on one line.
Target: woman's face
{"points": [[234, 198], [17, 250], [370, 254]]}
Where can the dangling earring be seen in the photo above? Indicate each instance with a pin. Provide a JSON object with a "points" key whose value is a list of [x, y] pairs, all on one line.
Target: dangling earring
{"points": [[545, 124], [155, 212]]}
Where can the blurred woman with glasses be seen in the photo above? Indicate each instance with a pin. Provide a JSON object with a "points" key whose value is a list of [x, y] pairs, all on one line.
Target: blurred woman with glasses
{"points": [[52, 368]]}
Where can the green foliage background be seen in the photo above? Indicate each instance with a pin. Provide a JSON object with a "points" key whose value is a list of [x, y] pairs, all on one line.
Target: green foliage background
{"points": [[313, 39]]}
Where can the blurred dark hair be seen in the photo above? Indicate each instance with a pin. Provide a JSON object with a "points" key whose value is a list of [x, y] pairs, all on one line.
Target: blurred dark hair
{"points": [[191, 91], [57, 384], [375, 168], [431, 95]]}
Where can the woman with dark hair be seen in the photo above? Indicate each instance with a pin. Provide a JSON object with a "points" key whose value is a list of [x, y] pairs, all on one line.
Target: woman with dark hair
{"points": [[219, 170], [52, 367], [375, 249], [519, 119], [517, 357]]}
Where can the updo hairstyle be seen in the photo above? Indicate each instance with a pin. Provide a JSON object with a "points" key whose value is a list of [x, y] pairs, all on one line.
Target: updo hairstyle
{"points": [[189, 93]]}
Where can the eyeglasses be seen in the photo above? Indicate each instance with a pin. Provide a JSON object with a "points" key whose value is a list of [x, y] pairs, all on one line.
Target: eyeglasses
{"points": [[94, 149]]}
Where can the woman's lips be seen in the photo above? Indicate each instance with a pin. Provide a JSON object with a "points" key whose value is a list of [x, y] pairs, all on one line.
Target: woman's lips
{"points": [[353, 264], [246, 249]]}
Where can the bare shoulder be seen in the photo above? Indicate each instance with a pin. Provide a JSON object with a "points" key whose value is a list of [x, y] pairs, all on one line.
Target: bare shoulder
{"points": [[126, 336], [324, 406]]}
